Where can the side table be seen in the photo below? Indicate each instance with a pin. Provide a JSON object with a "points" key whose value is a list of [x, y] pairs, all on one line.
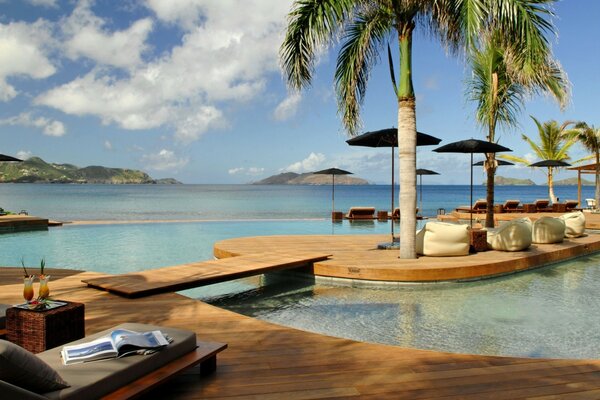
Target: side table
{"points": [[529, 208], [382, 215], [559, 207], [478, 240], [37, 331]]}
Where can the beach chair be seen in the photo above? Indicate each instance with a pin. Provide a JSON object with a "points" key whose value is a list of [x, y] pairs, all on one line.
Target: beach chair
{"points": [[512, 206], [479, 207], [571, 205], [591, 203], [541, 205], [361, 213], [396, 213], [43, 376]]}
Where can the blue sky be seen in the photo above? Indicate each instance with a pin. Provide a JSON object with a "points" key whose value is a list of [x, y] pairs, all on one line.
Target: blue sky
{"points": [[192, 89]]}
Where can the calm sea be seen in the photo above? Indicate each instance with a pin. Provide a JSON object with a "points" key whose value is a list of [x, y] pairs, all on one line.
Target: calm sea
{"points": [[235, 202]]}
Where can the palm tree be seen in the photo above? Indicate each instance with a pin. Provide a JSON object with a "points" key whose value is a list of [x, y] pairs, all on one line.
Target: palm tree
{"points": [[366, 25], [499, 84], [554, 143], [589, 137]]}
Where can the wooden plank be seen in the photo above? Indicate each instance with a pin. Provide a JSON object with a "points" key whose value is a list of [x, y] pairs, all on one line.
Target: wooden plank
{"points": [[185, 276]]}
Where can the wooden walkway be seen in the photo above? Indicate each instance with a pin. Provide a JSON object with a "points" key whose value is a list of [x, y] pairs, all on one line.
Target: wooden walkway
{"points": [[185, 276], [266, 361], [357, 257], [20, 223]]}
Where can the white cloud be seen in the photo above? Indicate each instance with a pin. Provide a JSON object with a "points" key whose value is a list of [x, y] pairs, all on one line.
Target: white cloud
{"points": [[224, 55], [49, 127], [108, 145], [86, 36], [310, 163], [23, 52], [164, 160], [251, 171], [43, 3], [432, 83], [24, 154], [288, 107]]}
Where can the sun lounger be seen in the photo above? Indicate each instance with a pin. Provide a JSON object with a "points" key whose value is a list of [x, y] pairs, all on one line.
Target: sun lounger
{"points": [[361, 213], [396, 213], [571, 205], [512, 206], [480, 206], [541, 205], [591, 203], [43, 376]]}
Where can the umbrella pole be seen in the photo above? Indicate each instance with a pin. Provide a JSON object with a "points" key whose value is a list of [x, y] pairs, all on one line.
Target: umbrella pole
{"points": [[392, 209], [471, 207], [420, 193], [332, 194]]}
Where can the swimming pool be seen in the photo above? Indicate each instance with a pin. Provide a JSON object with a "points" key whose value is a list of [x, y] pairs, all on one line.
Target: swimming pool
{"points": [[549, 312]]}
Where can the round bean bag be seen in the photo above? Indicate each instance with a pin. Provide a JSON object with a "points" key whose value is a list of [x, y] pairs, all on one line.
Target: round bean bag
{"points": [[513, 235], [441, 239], [548, 230], [574, 224]]}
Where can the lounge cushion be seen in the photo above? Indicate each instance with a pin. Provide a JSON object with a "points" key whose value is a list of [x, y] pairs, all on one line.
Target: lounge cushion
{"points": [[574, 224], [513, 235], [3, 308], [441, 239], [23, 369], [98, 378], [548, 230]]}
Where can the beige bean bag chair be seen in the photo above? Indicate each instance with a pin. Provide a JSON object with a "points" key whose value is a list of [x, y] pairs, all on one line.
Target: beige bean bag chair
{"points": [[574, 224], [548, 230], [513, 235], [441, 239]]}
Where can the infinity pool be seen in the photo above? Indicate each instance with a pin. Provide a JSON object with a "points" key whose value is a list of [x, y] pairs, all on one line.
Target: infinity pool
{"points": [[549, 312]]}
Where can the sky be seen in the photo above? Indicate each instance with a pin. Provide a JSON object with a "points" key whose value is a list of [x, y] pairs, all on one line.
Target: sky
{"points": [[192, 89]]}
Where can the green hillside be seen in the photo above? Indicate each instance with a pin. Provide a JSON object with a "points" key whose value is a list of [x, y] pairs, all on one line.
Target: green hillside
{"points": [[36, 170]]}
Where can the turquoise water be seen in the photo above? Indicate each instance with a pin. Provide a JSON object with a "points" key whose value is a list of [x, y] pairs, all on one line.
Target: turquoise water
{"points": [[551, 312]]}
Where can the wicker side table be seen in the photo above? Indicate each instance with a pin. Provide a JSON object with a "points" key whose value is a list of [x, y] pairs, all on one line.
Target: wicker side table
{"points": [[37, 331], [478, 240], [559, 207], [529, 208]]}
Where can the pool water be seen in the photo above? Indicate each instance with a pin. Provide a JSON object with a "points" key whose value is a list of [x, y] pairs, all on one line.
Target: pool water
{"points": [[549, 312]]}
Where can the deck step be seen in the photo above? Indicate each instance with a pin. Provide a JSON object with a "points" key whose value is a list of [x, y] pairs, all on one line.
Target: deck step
{"points": [[186, 276]]}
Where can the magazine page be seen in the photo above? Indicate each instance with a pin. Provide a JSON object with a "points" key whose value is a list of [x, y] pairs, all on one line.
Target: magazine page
{"points": [[125, 339], [95, 350]]}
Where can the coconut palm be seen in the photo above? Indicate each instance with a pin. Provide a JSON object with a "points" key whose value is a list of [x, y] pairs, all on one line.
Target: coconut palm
{"points": [[499, 84], [589, 137], [554, 143], [366, 25]]}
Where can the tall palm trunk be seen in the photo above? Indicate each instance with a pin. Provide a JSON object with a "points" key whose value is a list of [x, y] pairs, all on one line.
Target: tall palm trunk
{"points": [[491, 174], [407, 145], [597, 193], [551, 185]]}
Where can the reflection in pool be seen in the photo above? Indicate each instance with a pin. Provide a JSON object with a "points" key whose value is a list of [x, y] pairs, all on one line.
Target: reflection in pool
{"points": [[549, 312]]}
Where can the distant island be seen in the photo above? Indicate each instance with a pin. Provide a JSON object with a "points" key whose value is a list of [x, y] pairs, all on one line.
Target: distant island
{"points": [[504, 181], [36, 170], [292, 178], [573, 181]]}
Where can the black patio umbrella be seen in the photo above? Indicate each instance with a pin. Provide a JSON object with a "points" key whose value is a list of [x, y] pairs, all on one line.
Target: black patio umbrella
{"points": [[420, 173], [500, 162], [472, 146], [550, 163], [4, 157], [389, 138], [333, 172]]}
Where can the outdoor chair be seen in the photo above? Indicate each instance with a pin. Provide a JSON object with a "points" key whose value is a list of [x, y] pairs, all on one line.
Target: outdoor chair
{"points": [[542, 205], [25, 375], [591, 203], [361, 213], [396, 213], [480, 206], [574, 224], [547, 230], [513, 235], [442, 239], [511, 206], [571, 205]]}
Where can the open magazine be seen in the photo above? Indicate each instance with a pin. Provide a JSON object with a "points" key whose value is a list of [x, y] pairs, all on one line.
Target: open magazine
{"points": [[119, 343]]}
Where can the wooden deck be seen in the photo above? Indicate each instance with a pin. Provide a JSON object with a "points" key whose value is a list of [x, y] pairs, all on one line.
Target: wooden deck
{"points": [[185, 276], [357, 257], [20, 223], [266, 361]]}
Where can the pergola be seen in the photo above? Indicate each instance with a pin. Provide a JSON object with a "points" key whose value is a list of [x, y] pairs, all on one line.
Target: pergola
{"points": [[583, 169]]}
